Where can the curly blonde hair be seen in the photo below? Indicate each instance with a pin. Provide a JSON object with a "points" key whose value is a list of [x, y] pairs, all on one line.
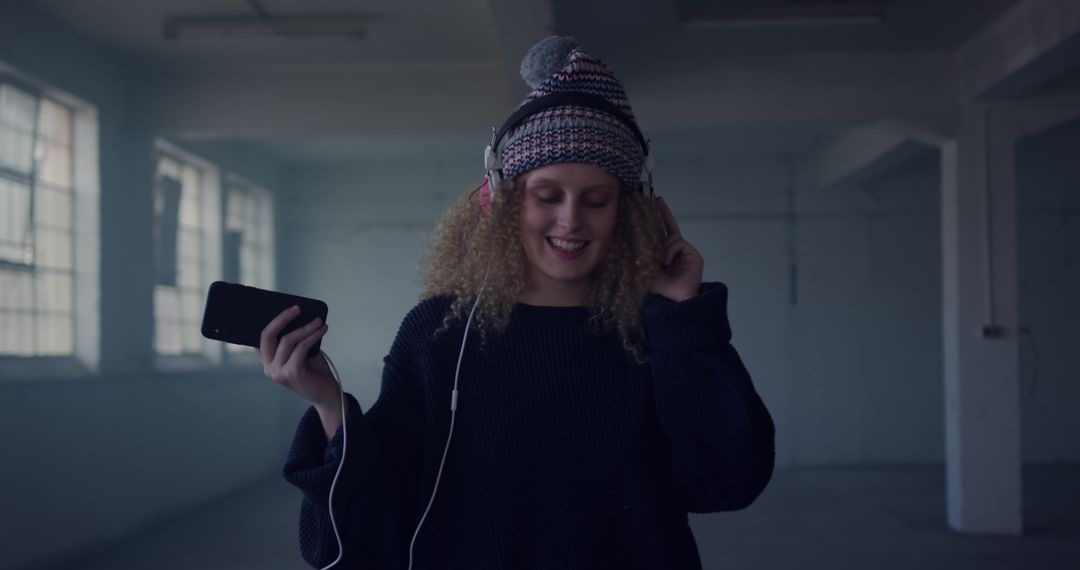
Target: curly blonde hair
{"points": [[470, 250]]}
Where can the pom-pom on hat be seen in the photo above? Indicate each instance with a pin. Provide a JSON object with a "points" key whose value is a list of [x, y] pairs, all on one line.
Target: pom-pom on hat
{"points": [[572, 132]]}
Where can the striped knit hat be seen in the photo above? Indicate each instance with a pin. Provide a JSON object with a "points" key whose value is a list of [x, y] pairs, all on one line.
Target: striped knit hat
{"points": [[573, 133]]}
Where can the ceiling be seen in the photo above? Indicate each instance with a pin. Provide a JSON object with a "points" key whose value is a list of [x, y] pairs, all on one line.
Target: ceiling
{"points": [[429, 34], [399, 32], [467, 31]]}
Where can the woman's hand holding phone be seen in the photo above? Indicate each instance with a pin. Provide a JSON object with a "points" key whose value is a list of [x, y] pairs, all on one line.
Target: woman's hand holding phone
{"points": [[286, 363]]}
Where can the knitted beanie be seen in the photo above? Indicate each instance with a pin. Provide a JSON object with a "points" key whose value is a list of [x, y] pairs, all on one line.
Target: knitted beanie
{"points": [[572, 133]]}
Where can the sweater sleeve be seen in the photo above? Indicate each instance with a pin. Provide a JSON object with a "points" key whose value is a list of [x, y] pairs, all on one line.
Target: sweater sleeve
{"points": [[376, 489], [721, 434]]}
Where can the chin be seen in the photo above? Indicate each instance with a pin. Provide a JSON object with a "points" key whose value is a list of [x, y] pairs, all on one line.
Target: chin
{"points": [[569, 276]]}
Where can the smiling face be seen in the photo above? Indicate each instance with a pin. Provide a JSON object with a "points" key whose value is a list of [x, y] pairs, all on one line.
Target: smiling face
{"points": [[568, 217]]}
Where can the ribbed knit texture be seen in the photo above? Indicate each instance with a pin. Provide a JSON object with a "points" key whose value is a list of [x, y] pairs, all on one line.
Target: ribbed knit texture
{"points": [[565, 454], [572, 133]]}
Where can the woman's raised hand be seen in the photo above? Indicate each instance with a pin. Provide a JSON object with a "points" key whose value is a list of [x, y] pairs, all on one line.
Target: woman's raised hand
{"points": [[681, 268], [286, 362]]}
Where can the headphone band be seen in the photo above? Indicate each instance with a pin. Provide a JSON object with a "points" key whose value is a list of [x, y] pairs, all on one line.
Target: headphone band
{"points": [[565, 98]]}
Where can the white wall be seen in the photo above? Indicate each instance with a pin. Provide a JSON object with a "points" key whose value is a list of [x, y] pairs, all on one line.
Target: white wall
{"points": [[851, 368]]}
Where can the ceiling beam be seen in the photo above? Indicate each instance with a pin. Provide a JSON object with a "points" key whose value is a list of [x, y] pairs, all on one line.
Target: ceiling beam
{"points": [[819, 88], [1031, 43], [860, 155], [323, 99], [242, 26], [781, 15]]}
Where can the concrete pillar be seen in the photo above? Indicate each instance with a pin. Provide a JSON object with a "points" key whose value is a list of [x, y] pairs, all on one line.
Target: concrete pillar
{"points": [[981, 350]]}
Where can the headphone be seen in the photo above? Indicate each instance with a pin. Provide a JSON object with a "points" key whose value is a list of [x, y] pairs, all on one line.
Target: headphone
{"points": [[492, 153]]}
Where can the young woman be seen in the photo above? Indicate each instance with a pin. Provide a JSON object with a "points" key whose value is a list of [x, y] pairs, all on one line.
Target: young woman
{"points": [[600, 397]]}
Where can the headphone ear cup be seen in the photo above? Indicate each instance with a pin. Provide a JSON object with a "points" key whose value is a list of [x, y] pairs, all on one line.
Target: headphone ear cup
{"points": [[492, 168], [646, 181]]}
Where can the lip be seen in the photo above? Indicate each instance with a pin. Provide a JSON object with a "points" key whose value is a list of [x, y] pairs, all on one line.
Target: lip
{"points": [[566, 254]]}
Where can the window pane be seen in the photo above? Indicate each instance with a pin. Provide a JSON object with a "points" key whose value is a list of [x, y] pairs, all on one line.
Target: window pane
{"points": [[14, 217], [54, 123], [191, 304], [167, 338], [189, 199], [17, 108], [249, 276], [249, 264], [54, 166], [16, 149], [12, 252], [168, 168], [188, 248], [234, 211], [15, 290], [54, 291], [166, 304], [189, 274], [167, 332], [16, 333], [54, 334], [54, 249], [8, 331], [52, 207], [248, 212], [192, 338]]}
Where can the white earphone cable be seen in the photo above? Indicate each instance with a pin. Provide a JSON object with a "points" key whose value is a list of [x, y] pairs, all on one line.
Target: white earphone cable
{"points": [[453, 412], [344, 446]]}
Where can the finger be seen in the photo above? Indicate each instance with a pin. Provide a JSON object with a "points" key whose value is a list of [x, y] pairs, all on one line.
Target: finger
{"points": [[674, 246], [289, 341], [299, 354], [268, 336], [669, 218]]}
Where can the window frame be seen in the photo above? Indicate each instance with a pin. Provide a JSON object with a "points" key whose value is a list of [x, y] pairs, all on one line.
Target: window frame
{"points": [[210, 354], [84, 189]]}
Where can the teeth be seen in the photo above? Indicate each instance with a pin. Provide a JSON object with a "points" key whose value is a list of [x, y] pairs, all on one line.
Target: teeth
{"points": [[567, 245]]}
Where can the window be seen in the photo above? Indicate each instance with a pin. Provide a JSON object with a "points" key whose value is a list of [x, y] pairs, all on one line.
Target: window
{"points": [[186, 202], [248, 231], [248, 255], [37, 263]]}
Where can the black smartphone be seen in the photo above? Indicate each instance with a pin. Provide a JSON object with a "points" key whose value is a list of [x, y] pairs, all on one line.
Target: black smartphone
{"points": [[238, 313]]}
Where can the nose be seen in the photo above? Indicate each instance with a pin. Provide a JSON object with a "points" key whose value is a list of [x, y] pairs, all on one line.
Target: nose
{"points": [[568, 216]]}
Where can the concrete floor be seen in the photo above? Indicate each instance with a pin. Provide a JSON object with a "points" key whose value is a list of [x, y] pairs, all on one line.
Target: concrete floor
{"points": [[856, 518]]}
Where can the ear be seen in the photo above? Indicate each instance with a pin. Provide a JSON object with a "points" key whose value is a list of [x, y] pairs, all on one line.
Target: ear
{"points": [[485, 196]]}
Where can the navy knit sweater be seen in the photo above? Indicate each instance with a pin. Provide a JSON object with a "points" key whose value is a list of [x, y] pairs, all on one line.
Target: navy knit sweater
{"points": [[565, 453]]}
